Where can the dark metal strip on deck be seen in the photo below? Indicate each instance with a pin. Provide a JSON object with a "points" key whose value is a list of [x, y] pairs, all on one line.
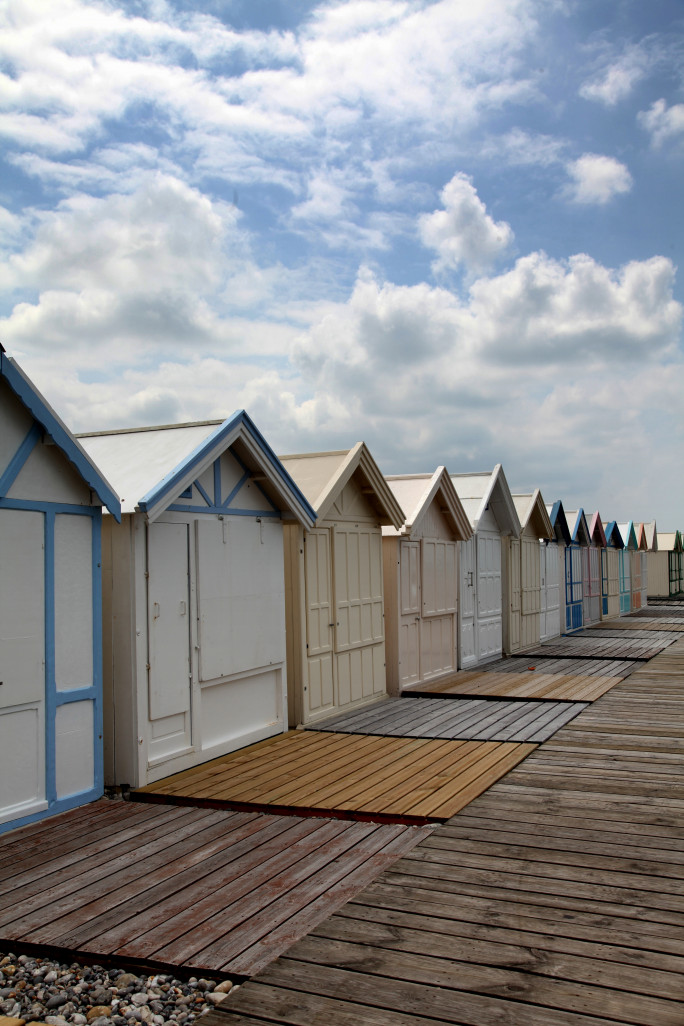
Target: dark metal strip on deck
{"points": [[459, 719]]}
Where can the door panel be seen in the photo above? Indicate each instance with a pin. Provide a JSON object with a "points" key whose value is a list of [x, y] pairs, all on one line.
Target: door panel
{"points": [[468, 598], [169, 637], [514, 593], [359, 633], [409, 621], [489, 598], [319, 621], [437, 646]]}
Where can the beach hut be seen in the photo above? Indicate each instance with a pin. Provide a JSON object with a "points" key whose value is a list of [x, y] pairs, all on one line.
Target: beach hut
{"points": [[575, 559], [421, 579], [334, 583], [610, 571], [665, 566], [522, 573], [487, 501], [51, 498], [641, 567], [552, 574], [194, 595], [627, 568], [591, 570]]}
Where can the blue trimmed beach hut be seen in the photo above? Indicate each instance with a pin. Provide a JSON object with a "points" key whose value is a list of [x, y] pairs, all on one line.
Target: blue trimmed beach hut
{"points": [[194, 598], [51, 498]]}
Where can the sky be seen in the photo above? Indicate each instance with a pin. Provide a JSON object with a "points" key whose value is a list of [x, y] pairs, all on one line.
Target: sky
{"points": [[452, 229]]}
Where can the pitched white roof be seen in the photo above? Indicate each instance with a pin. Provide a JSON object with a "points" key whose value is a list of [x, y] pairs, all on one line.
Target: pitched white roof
{"points": [[415, 493], [476, 491]]}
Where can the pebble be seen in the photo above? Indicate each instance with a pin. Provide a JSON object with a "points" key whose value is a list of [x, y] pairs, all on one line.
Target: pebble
{"points": [[39, 990]]}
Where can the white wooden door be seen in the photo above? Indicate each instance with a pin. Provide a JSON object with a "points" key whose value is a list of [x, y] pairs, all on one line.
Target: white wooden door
{"points": [[22, 669], [636, 580], [549, 562], [489, 598], [591, 584], [644, 579], [439, 587], [359, 614], [170, 684], [468, 604], [320, 693], [530, 587], [409, 612], [514, 593]]}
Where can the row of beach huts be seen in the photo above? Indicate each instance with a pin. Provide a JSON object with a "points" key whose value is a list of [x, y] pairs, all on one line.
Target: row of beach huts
{"points": [[226, 593]]}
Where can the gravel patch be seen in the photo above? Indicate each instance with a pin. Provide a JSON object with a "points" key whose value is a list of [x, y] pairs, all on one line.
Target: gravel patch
{"points": [[41, 990]]}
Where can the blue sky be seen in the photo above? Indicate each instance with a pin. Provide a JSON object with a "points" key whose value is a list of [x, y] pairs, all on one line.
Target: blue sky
{"points": [[452, 229]]}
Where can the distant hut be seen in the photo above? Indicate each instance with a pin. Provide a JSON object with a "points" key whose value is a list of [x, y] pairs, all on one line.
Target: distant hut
{"points": [[591, 569], [610, 570], [552, 573], [421, 579], [487, 501], [665, 566], [522, 565], [575, 560], [628, 567]]}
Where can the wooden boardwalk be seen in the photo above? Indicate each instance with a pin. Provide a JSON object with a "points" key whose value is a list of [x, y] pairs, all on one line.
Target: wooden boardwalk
{"points": [[582, 643], [555, 899], [524, 685], [405, 780], [203, 889], [468, 719]]}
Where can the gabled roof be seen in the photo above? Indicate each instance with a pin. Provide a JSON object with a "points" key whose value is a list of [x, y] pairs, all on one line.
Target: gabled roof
{"points": [[579, 528], [670, 541], [598, 535], [559, 523], [651, 535], [152, 466], [642, 541], [322, 476], [613, 536], [488, 488], [56, 429], [415, 493], [531, 510], [629, 535]]}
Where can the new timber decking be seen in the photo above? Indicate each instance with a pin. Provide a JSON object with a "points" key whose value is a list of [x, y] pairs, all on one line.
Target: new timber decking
{"points": [[203, 889], [555, 899], [382, 778], [473, 719]]}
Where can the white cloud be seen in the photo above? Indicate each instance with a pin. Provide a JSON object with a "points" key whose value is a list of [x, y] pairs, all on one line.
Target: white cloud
{"points": [[463, 234], [616, 81], [597, 179], [520, 148], [663, 122]]}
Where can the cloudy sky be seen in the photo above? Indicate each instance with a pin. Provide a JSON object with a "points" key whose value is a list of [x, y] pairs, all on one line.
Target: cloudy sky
{"points": [[451, 228]]}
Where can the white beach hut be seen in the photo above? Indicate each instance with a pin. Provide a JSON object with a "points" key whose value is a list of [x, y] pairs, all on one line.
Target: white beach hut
{"points": [[51, 498], [522, 572], [421, 579], [486, 499], [194, 595], [334, 583]]}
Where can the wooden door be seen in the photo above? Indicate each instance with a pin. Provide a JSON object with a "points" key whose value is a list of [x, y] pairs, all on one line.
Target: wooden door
{"points": [[409, 612], [439, 590], [644, 579], [549, 571], [636, 580], [22, 643], [359, 614], [320, 691], [514, 593], [625, 581], [591, 584], [489, 597], [573, 588], [530, 587], [169, 675], [468, 604]]}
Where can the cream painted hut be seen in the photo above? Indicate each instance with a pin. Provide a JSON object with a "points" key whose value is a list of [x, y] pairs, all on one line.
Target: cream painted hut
{"points": [[628, 593], [522, 573], [334, 584], [610, 571], [51, 498], [421, 579], [486, 499], [194, 596], [665, 565], [552, 573], [591, 569]]}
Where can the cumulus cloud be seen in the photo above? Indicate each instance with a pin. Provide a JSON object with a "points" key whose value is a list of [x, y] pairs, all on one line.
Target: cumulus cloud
{"points": [[463, 234], [662, 122], [597, 179]]}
